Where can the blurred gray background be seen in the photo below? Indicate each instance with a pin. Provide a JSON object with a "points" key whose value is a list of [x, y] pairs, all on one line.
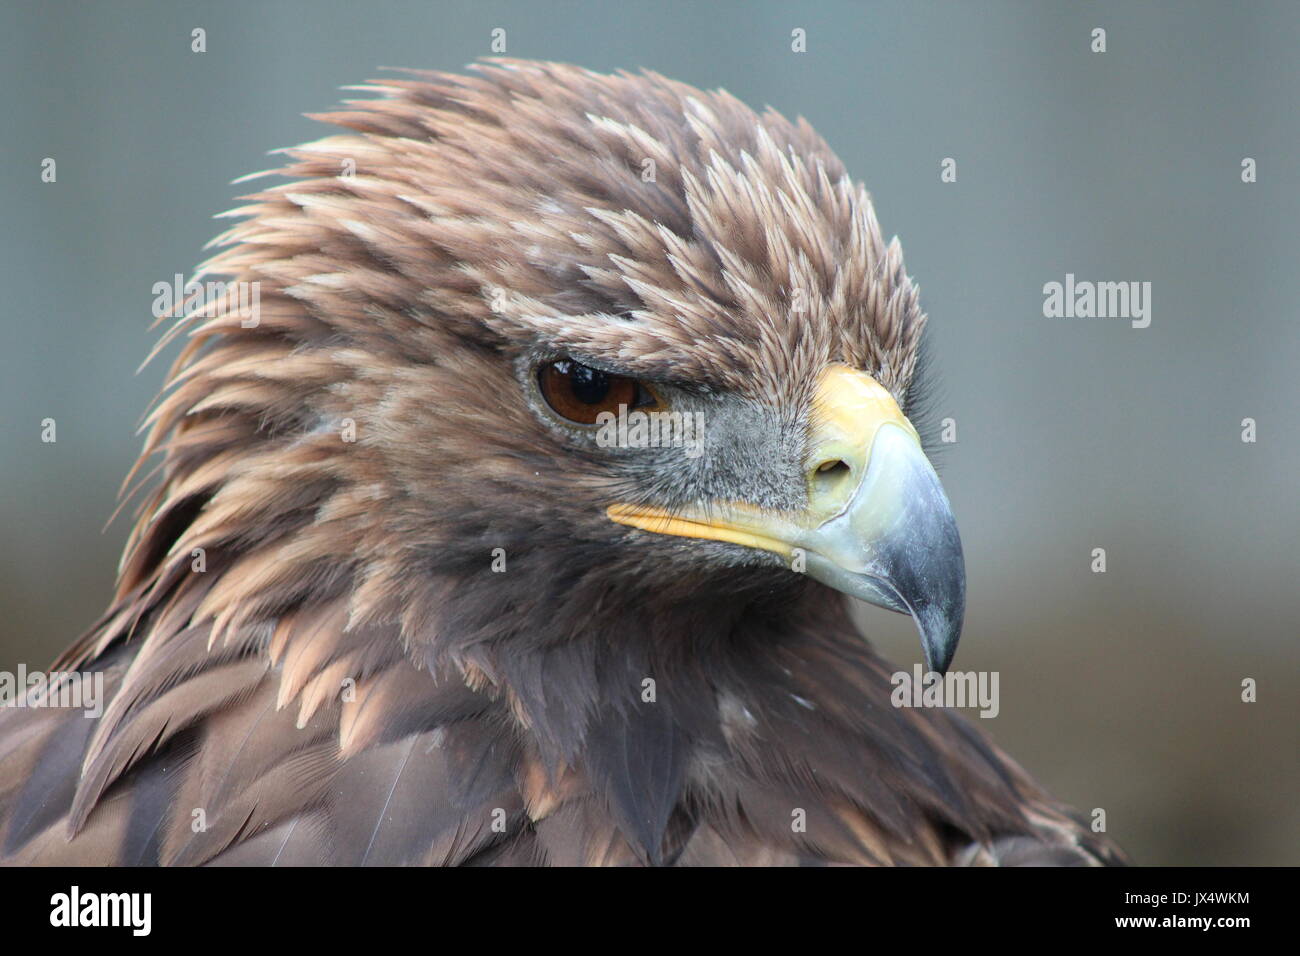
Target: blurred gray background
{"points": [[1119, 690]]}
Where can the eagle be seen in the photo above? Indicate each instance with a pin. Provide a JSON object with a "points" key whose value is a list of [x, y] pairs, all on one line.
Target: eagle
{"points": [[505, 505]]}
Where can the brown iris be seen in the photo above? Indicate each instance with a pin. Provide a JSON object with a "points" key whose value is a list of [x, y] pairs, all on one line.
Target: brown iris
{"points": [[579, 392]]}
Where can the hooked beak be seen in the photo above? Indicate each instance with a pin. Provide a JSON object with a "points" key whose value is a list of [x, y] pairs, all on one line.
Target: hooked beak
{"points": [[877, 524]]}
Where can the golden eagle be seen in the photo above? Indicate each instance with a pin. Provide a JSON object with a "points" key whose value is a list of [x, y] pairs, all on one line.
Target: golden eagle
{"points": [[510, 487]]}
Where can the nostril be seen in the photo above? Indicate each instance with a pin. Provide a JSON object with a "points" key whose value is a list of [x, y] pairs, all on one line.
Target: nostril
{"points": [[829, 475], [832, 468]]}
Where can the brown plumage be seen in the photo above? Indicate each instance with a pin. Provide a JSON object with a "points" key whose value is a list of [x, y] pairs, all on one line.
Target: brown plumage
{"points": [[349, 680]]}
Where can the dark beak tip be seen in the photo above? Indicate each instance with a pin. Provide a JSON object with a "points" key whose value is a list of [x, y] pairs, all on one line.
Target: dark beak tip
{"points": [[940, 635], [931, 583], [939, 664]]}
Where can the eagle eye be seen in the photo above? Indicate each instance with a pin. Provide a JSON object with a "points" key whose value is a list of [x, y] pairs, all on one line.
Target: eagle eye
{"points": [[579, 393]]}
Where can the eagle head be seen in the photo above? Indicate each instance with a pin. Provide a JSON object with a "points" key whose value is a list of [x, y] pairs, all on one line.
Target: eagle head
{"points": [[540, 343]]}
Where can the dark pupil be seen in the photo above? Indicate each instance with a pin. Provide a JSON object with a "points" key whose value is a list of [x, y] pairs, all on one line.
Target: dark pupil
{"points": [[590, 385]]}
